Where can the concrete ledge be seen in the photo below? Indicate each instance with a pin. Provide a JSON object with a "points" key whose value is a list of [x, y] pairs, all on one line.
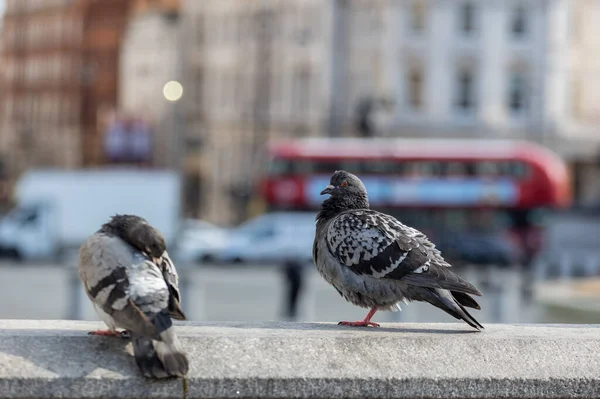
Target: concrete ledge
{"points": [[41, 359]]}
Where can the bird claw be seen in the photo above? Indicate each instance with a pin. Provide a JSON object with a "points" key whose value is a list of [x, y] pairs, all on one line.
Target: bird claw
{"points": [[111, 333], [360, 323]]}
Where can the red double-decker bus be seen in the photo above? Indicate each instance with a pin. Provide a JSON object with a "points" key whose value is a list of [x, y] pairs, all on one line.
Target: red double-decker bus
{"points": [[455, 190]]}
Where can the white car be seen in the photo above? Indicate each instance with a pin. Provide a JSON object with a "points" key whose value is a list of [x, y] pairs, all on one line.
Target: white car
{"points": [[200, 241], [272, 238]]}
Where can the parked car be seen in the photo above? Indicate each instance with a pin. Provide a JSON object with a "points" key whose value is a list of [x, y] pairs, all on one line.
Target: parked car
{"points": [[481, 248], [200, 241], [272, 238]]}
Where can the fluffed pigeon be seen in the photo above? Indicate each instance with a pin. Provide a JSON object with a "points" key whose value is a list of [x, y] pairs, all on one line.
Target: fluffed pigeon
{"points": [[375, 262], [133, 285]]}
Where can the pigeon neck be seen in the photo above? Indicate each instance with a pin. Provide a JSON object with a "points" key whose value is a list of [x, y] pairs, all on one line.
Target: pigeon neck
{"points": [[110, 229], [120, 231], [332, 207]]}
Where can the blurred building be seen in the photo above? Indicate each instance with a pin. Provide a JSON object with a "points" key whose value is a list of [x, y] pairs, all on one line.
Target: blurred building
{"points": [[104, 23], [41, 43], [254, 70], [462, 68], [61, 67], [522, 69], [150, 57], [4, 183]]}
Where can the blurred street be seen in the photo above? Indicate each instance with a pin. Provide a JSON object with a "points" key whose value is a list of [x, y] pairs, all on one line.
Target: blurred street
{"points": [[251, 293]]}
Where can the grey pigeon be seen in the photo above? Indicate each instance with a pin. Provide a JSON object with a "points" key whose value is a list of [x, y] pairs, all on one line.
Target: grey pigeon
{"points": [[375, 262], [133, 285]]}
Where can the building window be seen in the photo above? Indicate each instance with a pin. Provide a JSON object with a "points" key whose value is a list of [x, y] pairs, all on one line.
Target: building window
{"points": [[518, 25], [415, 88], [301, 92], [367, 20], [576, 24], [517, 93], [199, 29], [418, 16], [465, 96], [467, 17], [576, 99], [198, 83]]}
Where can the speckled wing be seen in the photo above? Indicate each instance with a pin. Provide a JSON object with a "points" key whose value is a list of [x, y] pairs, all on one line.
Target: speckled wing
{"points": [[378, 245], [124, 283]]}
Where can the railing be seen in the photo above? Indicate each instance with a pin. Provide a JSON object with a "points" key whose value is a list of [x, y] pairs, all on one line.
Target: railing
{"points": [[571, 247]]}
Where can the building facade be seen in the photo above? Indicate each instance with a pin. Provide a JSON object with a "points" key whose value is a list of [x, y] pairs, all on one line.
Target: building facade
{"points": [[503, 68], [104, 23], [61, 68], [41, 54], [254, 70], [260, 69], [150, 57]]}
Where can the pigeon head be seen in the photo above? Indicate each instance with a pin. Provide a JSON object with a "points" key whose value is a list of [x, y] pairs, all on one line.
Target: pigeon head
{"points": [[345, 184], [346, 192], [139, 233]]}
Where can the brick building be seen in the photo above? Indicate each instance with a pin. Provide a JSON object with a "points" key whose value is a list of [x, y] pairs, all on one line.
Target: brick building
{"points": [[61, 70]]}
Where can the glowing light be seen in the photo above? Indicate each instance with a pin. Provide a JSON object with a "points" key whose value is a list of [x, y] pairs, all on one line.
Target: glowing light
{"points": [[173, 90]]}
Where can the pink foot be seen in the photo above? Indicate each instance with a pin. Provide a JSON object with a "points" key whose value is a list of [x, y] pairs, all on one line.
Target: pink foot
{"points": [[110, 333], [361, 323]]}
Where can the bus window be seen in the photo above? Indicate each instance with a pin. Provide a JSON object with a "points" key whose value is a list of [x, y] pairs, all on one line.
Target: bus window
{"points": [[379, 167], [424, 169], [399, 168], [487, 168], [325, 167], [351, 166], [519, 169], [503, 169], [303, 167], [411, 169], [456, 169], [436, 169], [470, 169], [280, 166]]}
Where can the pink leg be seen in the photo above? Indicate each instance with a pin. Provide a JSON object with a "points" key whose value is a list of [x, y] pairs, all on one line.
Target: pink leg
{"points": [[364, 323], [109, 333]]}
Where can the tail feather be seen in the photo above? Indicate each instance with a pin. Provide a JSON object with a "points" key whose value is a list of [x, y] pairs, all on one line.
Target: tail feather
{"points": [[445, 300], [146, 358], [157, 359], [465, 300], [441, 278], [174, 361], [453, 306], [160, 358], [470, 320]]}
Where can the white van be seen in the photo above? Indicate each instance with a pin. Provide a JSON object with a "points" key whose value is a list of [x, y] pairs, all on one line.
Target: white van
{"points": [[56, 210]]}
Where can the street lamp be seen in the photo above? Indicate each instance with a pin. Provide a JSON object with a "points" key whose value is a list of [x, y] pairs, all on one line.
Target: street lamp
{"points": [[173, 91]]}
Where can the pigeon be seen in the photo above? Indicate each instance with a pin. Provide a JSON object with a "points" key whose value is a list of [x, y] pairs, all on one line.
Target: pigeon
{"points": [[376, 262], [133, 285]]}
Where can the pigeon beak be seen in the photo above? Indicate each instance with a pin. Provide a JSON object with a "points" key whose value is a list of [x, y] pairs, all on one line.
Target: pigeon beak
{"points": [[328, 190]]}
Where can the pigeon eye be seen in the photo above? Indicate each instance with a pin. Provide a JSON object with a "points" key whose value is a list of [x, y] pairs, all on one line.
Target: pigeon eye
{"points": [[344, 184]]}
